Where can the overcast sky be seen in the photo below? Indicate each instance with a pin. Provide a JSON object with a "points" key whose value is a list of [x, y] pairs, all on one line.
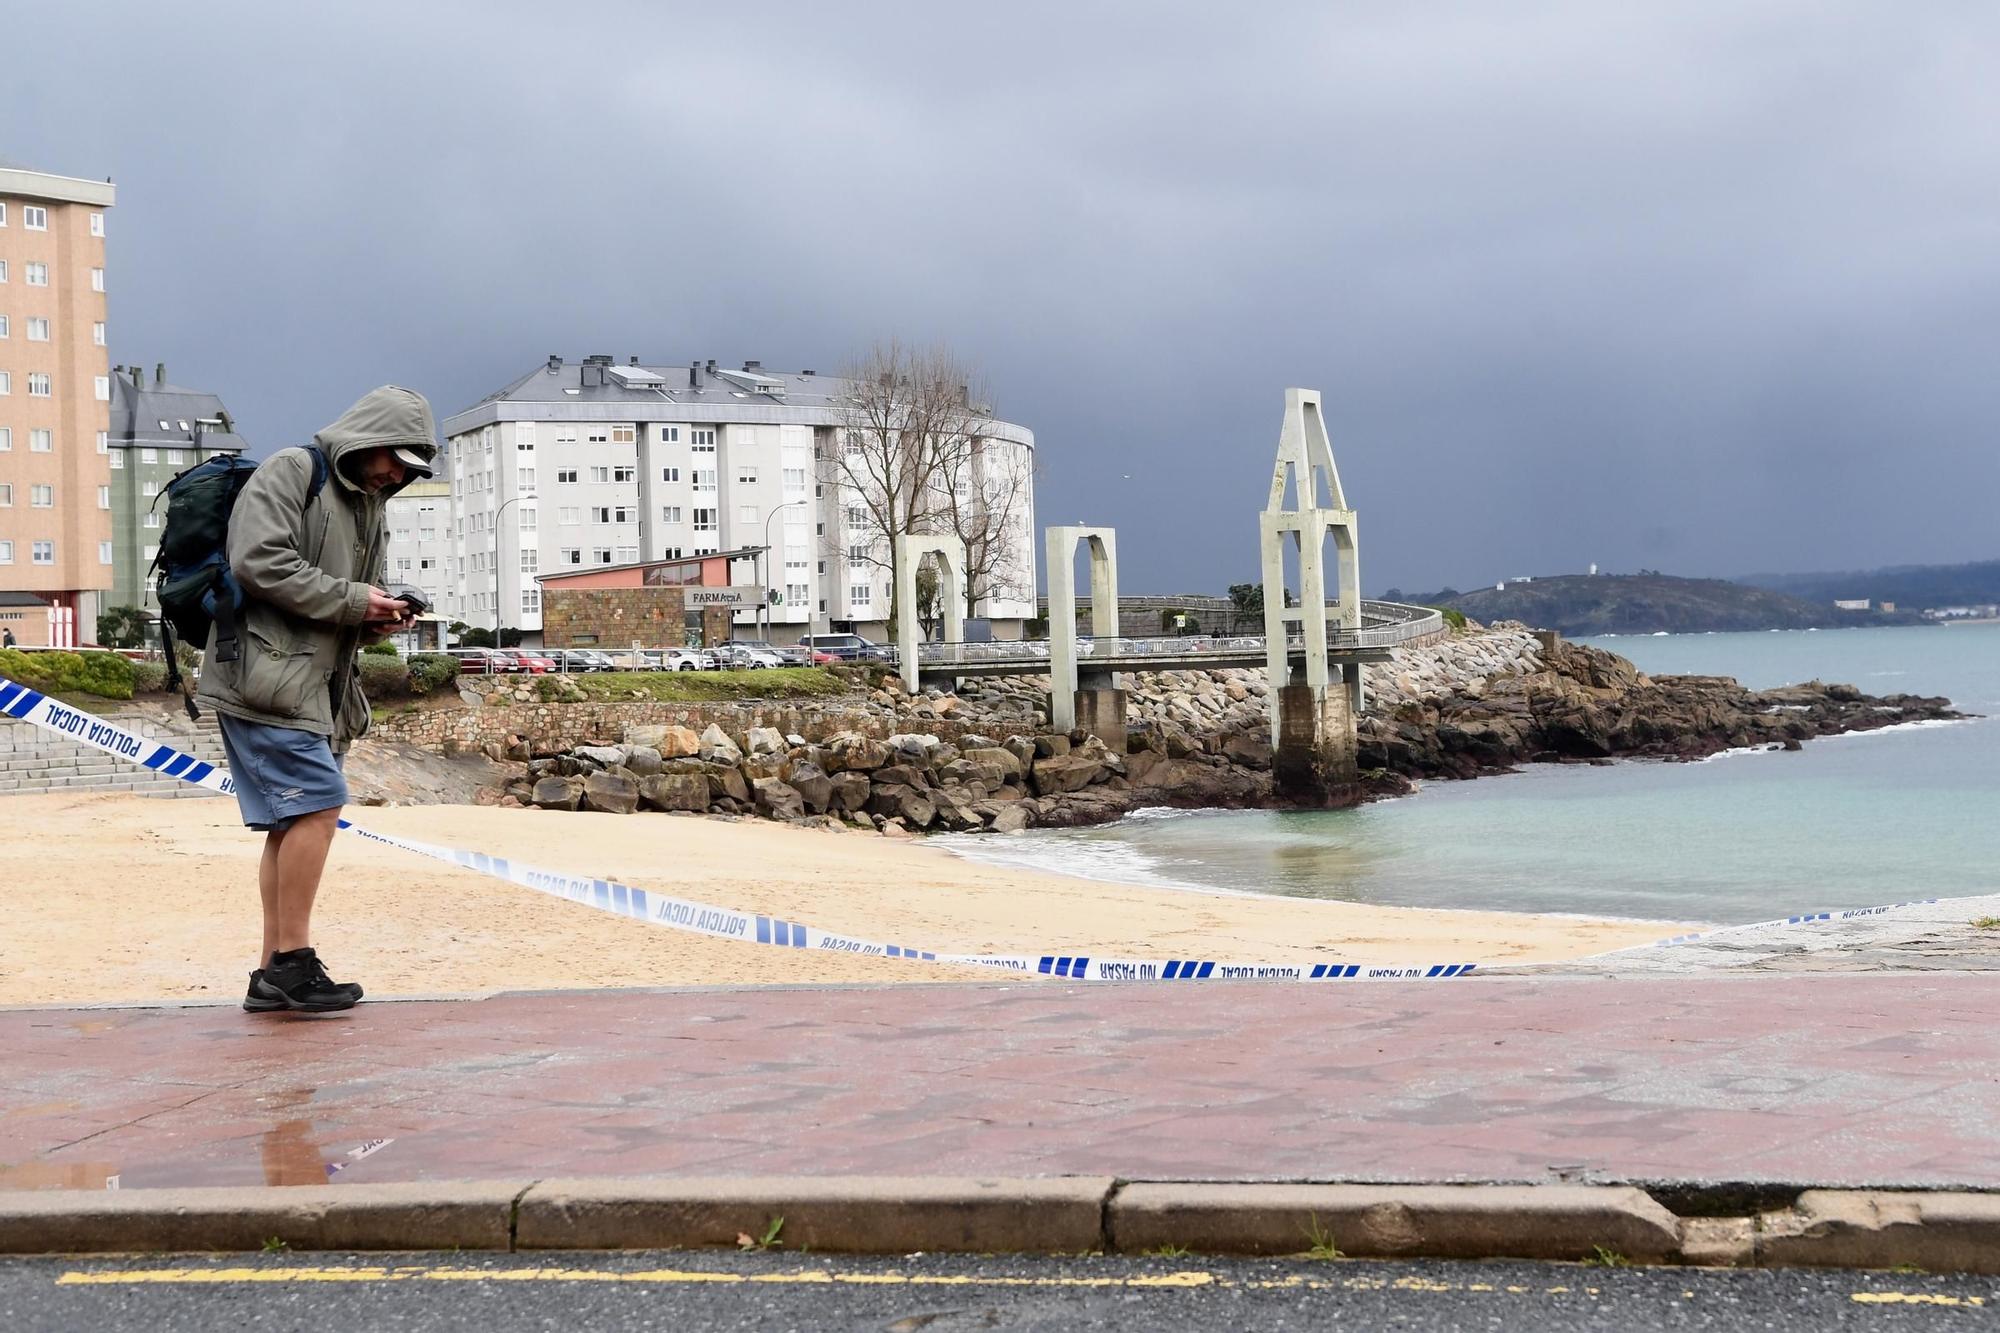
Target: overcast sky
{"points": [[1703, 287]]}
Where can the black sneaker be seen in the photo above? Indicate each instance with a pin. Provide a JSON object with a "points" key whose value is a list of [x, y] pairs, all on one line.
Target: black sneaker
{"points": [[256, 1001], [297, 981]]}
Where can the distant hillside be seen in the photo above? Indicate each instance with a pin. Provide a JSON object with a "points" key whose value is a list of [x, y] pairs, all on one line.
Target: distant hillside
{"points": [[1579, 604], [1914, 586]]}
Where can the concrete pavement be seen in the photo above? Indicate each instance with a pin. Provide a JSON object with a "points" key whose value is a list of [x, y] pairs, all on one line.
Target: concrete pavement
{"points": [[1739, 1088]]}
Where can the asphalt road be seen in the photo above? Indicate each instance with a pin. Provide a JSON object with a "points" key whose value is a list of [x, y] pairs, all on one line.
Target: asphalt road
{"points": [[778, 1290]]}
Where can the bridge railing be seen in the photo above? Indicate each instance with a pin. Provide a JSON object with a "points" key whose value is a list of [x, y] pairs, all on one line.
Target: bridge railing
{"points": [[1393, 623]]}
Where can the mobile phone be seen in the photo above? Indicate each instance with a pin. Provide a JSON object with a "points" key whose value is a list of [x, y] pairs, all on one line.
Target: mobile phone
{"points": [[415, 601]]}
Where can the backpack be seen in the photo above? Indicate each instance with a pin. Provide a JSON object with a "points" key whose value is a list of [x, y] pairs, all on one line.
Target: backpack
{"points": [[195, 586]]}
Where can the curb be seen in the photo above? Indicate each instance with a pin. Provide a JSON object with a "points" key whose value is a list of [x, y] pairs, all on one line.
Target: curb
{"points": [[1937, 1232]]}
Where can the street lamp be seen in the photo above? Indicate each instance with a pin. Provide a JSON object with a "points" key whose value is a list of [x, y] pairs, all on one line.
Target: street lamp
{"points": [[512, 499], [763, 633]]}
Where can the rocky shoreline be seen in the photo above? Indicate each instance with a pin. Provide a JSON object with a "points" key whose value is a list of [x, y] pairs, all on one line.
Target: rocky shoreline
{"points": [[1480, 702]]}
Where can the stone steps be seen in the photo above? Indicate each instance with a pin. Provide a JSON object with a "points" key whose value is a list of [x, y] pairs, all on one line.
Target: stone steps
{"points": [[34, 761]]}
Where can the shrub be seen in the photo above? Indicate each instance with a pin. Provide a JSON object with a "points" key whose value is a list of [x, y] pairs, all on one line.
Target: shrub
{"points": [[384, 677], [106, 675], [430, 672], [149, 677], [382, 649], [1452, 616]]}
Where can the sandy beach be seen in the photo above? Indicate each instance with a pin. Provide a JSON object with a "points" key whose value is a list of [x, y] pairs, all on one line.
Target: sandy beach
{"points": [[122, 898]]}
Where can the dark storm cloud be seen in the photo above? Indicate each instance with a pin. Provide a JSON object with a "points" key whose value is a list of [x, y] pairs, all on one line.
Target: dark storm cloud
{"points": [[1707, 287]]}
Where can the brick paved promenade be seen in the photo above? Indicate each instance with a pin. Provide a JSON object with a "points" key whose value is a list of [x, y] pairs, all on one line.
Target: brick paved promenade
{"points": [[1837, 1080]]}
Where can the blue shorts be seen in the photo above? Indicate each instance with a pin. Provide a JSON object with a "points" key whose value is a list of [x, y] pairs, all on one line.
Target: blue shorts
{"points": [[280, 772]]}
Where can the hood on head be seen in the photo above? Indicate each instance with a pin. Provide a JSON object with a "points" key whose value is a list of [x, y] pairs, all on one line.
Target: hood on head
{"points": [[391, 417]]}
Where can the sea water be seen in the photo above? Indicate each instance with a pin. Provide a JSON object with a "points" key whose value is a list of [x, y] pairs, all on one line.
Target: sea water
{"points": [[1847, 821]]}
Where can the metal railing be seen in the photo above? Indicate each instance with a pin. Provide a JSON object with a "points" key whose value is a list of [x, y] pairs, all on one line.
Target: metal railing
{"points": [[1394, 623]]}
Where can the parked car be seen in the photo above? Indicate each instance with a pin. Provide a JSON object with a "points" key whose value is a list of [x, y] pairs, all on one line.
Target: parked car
{"points": [[484, 662], [682, 659], [849, 647], [578, 660], [530, 660], [747, 654]]}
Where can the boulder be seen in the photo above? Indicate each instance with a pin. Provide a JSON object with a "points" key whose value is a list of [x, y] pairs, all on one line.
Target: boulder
{"points": [[903, 775], [598, 756], [814, 787], [644, 760], [764, 740], [850, 751], [1066, 773], [1022, 748], [1008, 763], [1009, 819], [725, 783], [1248, 750], [778, 800], [671, 742], [611, 794], [717, 748], [558, 793], [674, 791], [902, 803], [848, 792], [1052, 746]]}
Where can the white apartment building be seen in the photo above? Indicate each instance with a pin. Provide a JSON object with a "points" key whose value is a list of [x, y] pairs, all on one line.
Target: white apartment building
{"points": [[418, 519], [577, 466]]}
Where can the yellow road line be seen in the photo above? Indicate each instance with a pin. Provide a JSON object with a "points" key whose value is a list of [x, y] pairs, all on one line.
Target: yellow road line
{"points": [[1913, 1298], [1184, 1279]]}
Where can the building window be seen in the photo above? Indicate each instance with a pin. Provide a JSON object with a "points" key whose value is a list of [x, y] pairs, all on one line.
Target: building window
{"points": [[670, 474], [524, 435], [38, 384], [41, 440], [704, 520], [101, 385], [6, 383], [531, 560], [670, 513], [33, 218], [702, 441], [624, 474], [118, 461], [6, 495], [149, 455], [7, 552], [628, 555], [6, 439], [671, 553], [704, 479], [624, 514], [526, 519], [43, 553], [572, 555], [152, 518], [531, 601], [596, 435], [670, 435], [601, 554], [97, 334], [746, 474], [38, 330], [104, 497], [600, 475], [3, 326], [569, 515], [857, 516], [97, 224], [860, 594], [3, 270], [565, 435], [795, 481], [41, 497], [746, 513], [524, 478], [104, 442], [104, 553], [857, 554], [175, 457], [600, 513], [97, 280], [37, 275], [150, 552], [624, 435], [565, 476], [149, 488]]}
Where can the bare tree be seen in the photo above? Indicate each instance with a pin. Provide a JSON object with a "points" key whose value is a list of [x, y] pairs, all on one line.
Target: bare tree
{"points": [[988, 504], [909, 459]]}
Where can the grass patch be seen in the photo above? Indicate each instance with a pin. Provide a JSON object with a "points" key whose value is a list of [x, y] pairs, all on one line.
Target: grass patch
{"points": [[1986, 923], [1319, 1242], [700, 686], [1604, 1257]]}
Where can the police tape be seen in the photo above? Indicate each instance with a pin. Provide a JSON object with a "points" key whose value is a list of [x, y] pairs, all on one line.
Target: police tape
{"points": [[682, 914], [1804, 919]]}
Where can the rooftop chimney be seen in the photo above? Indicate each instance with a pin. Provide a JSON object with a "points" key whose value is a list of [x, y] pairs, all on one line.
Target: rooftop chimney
{"points": [[805, 372], [711, 365], [753, 365], [160, 375], [555, 363], [635, 360], [694, 374], [138, 377]]}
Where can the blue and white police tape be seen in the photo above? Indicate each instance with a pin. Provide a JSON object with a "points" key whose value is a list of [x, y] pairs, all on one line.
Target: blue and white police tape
{"points": [[18, 701], [1805, 919]]}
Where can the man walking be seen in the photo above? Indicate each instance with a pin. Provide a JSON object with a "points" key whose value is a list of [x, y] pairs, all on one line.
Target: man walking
{"points": [[290, 702]]}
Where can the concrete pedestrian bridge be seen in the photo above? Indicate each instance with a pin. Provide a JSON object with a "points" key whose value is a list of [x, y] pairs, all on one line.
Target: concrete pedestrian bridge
{"points": [[1383, 626]]}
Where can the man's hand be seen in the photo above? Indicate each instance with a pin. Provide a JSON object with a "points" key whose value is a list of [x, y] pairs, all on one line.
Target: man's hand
{"points": [[386, 612]]}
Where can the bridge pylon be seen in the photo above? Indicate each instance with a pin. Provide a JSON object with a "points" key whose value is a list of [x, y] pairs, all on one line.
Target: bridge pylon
{"points": [[1312, 712], [909, 551], [1077, 690]]}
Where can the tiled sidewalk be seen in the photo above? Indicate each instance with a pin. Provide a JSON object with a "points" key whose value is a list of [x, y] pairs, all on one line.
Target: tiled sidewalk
{"points": [[1836, 1080]]}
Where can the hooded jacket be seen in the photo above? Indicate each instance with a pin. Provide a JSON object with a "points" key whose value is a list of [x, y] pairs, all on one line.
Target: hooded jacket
{"points": [[305, 568]]}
